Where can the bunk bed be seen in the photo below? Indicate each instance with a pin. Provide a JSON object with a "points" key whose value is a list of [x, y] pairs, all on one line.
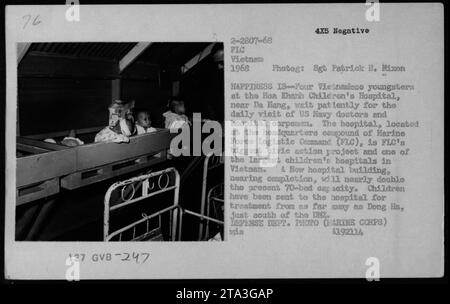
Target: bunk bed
{"points": [[44, 168]]}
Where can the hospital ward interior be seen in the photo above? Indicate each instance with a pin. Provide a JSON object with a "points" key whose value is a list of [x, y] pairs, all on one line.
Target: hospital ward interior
{"points": [[95, 122]]}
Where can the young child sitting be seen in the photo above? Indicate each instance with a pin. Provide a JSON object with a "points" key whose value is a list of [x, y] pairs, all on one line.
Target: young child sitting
{"points": [[175, 117], [70, 140], [118, 133], [143, 122]]}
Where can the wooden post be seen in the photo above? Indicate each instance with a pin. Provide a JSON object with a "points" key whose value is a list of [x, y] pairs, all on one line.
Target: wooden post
{"points": [[115, 89], [175, 88]]}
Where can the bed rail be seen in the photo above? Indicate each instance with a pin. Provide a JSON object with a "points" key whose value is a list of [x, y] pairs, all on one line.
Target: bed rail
{"points": [[215, 197], [43, 168], [137, 189], [211, 162]]}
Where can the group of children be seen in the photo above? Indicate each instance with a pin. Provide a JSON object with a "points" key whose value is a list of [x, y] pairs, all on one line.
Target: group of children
{"points": [[137, 124], [125, 127], [140, 123]]}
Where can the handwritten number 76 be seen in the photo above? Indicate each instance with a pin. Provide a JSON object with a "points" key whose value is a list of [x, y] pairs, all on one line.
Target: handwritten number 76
{"points": [[29, 18]]}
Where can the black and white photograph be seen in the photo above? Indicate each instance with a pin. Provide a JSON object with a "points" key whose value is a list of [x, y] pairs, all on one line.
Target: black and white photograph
{"points": [[208, 142], [94, 161]]}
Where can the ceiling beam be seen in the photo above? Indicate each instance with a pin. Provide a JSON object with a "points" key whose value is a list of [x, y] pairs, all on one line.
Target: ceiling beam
{"points": [[22, 48], [197, 58], [131, 56]]}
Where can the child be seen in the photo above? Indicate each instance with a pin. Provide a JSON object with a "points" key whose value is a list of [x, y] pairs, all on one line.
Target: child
{"points": [[72, 140], [175, 117], [143, 122], [118, 133]]}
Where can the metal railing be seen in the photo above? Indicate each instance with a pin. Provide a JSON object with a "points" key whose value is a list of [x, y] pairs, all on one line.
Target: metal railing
{"points": [[211, 162], [215, 195], [137, 189]]}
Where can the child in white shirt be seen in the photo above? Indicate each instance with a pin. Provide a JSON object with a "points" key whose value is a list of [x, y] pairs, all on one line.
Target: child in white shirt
{"points": [[143, 122], [175, 117], [120, 132]]}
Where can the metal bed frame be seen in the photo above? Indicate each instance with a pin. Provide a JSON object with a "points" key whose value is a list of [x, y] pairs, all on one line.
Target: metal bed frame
{"points": [[215, 194], [150, 185], [211, 162], [139, 188]]}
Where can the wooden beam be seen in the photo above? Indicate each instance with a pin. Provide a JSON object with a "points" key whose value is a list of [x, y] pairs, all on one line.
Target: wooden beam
{"points": [[98, 154], [40, 144], [34, 192], [37, 168], [197, 58], [63, 133], [30, 149], [77, 180], [115, 89], [22, 48], [131, 56]]}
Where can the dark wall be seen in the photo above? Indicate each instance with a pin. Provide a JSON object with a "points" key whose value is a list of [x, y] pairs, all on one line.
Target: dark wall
{"points": [[147, 95], [202, 89], [49, 105], [150, 86], [57, 93], [63, 93]]}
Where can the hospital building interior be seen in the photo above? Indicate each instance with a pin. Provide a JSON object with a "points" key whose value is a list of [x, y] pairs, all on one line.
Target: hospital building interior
{"points": [[93, 154]]}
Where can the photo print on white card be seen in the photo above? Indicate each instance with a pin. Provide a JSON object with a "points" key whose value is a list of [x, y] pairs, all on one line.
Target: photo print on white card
{"points": [[94, 131], [225, 141]]}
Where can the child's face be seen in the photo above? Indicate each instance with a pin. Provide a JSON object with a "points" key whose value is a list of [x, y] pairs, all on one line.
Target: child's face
{"points": [[143, 120], [180, 109]]}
